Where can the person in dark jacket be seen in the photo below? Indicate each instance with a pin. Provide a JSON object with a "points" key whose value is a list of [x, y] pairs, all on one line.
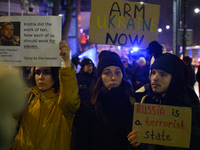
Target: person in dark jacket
{"points": [[188, 62], [169, 85], [198, 78], [104, 120], [128, 73], [154, 49], [85, 77], [142, 74]]}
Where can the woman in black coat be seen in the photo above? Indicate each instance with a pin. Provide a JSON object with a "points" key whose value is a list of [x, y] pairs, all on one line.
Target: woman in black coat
{"points": [[104, 120]]}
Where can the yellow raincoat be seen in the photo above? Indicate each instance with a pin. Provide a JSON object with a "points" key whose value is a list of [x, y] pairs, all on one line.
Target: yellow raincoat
{"points": [[47, 122]]}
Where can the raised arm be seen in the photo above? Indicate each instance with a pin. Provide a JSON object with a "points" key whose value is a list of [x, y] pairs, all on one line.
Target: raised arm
{"points": [[69, 101], [65, 53]]}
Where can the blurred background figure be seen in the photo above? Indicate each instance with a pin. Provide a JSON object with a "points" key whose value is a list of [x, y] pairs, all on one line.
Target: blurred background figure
{"points": [[133, 66], [75, 61], [12, 102], [84, 41], [188, 61], [26, 71], [127, 69], [198, 78], [85, 77], [141, 74], [134, 63], [155, 49]]}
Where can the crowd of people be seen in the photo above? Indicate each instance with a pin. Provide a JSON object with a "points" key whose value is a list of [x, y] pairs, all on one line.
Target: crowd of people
{"points": [[93, 109]]}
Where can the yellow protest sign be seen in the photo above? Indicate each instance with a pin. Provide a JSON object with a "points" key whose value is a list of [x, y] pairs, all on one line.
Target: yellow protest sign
{"points": [[123, 23], [163, 125]]}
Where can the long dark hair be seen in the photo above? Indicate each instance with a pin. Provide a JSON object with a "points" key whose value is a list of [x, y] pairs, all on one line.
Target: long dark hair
{"points": [[99, 83], [54, 74]]}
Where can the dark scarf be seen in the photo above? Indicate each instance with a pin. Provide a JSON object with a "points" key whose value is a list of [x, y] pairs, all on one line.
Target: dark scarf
{"points": [[114, 96], [113, 106]]}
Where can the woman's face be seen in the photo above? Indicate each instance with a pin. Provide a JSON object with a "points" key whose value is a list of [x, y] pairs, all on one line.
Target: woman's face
{"points": [[112, 77], [43, 78]]}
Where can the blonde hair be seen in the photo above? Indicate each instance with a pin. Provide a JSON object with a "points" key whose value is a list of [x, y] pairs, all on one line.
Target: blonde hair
{"points": [[142, 59]]}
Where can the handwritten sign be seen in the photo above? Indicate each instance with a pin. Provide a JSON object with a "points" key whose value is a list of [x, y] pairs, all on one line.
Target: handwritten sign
{"points": [[163, 125], [123, 23], [33, 40]]}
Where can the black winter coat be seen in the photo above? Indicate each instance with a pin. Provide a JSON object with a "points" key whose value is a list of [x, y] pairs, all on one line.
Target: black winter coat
{"points": [[179, 93], [84, 81], [105, 125]]}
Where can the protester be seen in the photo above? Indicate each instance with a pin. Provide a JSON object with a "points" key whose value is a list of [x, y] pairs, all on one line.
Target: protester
{"points": [[47, 119], [133, 66], [169, 86], [104, 120], [141, 74], [12, 101], [85, 77], [154, 49], [75, 60], [26, 71], [8, 39], [128, 73], [134, 63], [188, 62], [198, 78]]}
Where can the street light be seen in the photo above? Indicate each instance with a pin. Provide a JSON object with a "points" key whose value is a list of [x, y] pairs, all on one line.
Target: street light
{"points": [[159, 30], [196, 10], [167, 27]]}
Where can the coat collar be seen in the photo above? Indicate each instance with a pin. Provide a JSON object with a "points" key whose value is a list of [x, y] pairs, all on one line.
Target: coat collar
{"points": [[49, 93]]}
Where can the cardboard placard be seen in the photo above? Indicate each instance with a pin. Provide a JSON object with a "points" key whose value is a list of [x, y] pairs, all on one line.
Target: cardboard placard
{"points": [[35, 41], [123, 23], [163, 125]]}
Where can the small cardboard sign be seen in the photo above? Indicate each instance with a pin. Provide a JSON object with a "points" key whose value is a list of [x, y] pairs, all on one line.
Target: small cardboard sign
{"points": [[163, 125], [123, 23], [33, 41]]}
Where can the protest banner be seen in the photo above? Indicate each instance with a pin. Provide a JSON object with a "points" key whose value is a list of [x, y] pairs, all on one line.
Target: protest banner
{"points": [[163, 125], [123, 23], [33, 40]]}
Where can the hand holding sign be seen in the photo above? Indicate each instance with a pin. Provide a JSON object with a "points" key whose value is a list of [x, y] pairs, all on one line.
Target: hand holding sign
{"points": [[65, 49], [132, 137]]}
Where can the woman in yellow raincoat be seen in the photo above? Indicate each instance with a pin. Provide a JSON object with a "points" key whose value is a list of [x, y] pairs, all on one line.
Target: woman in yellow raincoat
{"points": [[46, 123]]}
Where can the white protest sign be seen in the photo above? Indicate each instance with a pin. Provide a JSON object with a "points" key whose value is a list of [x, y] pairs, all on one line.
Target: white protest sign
{"points": [[163, 125], [30, 40]]}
